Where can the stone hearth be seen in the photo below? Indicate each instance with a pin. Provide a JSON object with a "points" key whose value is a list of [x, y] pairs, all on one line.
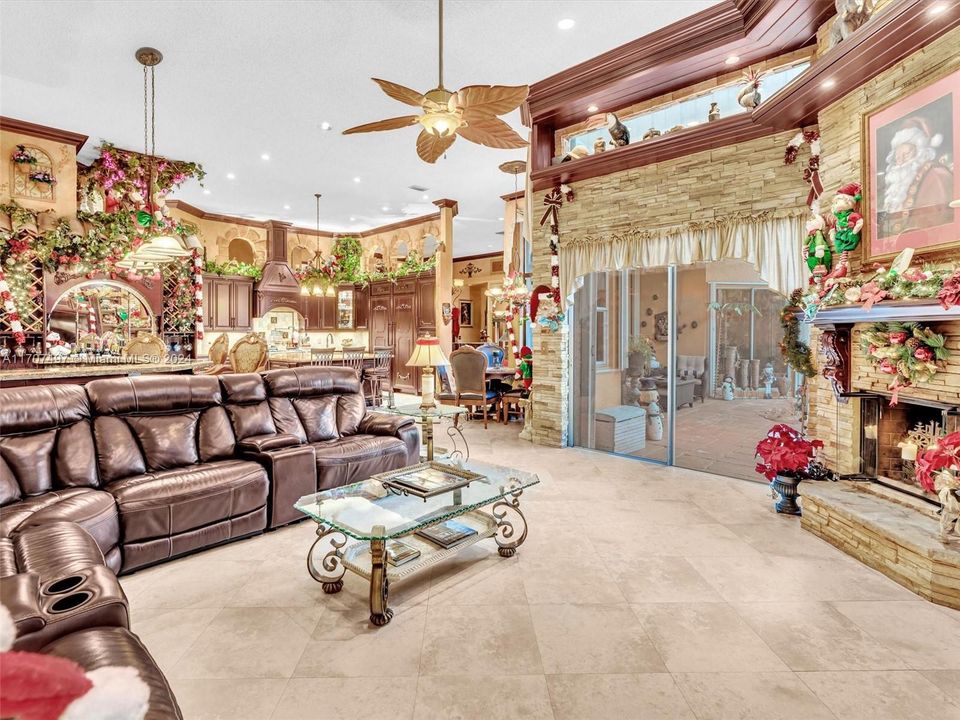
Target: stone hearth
{"points": [[888, 532]]}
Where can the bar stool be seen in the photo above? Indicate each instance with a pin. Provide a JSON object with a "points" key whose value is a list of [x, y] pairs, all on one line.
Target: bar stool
{"points": [[380, 373], [321, 357], [354, 359]]}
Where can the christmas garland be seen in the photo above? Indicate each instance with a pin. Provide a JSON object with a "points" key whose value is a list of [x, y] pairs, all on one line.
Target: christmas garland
{"points": [[795, 352], [10, 311], [125, 175], [549, 316], [909, 351], [232, 267], [811, 174]]}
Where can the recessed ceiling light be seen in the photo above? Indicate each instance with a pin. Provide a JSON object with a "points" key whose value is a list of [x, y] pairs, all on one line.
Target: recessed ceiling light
{"points": [[499, 218], [265, 156], [325, 125], [353, 219], [206, 192], [426, 197], [286, 207], [732, 60], [386, 208], [566, 23], [592, 108], [937, 8], [356, 179], [231, 176], [828, 83]]}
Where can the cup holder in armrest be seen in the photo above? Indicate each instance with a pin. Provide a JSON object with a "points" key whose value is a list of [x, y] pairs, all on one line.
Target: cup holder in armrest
{"points": [[64, 584], [70, 602]]}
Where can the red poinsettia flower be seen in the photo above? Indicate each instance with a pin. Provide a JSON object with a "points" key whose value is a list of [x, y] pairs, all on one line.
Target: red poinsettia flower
{"points": [[888, 366], [923, 354], [784, 451], [898, 337]]}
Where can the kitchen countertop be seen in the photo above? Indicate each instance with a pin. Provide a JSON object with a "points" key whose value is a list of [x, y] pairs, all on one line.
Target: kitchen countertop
{"points": [[45, 372]]}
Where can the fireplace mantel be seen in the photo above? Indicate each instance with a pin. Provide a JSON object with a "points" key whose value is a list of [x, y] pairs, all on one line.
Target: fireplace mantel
{"points": [[836, 322]]}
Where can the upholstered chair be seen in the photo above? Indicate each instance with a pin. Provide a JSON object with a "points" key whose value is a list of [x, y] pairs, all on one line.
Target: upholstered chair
{"points": [[217, 353], [249, 354], [469, 368]]}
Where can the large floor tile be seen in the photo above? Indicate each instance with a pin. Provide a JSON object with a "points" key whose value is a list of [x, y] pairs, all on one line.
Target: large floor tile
{"points": [[705, 637], [247, 643], [475, 697], [347, 699], [917, 631], [477, 576], [881, 695], [650, 696], [364, 650], [946, 680], [228, 698], [492, 640], [815, 636], [661, 580], [169, 634], [195, 582], [752, 696], [593, 639]]}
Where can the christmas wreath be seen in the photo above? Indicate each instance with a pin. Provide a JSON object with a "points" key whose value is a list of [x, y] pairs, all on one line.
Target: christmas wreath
{"points": [[909, 351]]}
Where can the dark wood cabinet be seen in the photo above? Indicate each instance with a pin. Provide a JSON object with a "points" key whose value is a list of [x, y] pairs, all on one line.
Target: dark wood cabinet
{"points": [[399, 313], [361, 307], [228, 303]]}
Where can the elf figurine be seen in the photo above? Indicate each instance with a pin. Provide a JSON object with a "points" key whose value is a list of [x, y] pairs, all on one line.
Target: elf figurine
{"points": [[526, 367], [817, 250], [848, 223]]}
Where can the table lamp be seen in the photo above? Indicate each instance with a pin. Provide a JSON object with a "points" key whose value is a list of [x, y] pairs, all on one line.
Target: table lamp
{"points": [[427, 355]]}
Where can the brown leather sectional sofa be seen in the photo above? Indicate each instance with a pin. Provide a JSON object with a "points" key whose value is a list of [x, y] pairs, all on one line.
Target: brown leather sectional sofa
{"points": [[123, 473]]}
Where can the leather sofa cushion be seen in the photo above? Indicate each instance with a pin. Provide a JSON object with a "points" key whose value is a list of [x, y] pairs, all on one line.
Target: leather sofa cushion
{"points": [[252, 419], [318, 415], [8, 558], [9, 489], [93, 510], [357, 447], [74, 457], [285, 418], [242, 388], [312, 381], [216, 438], [42, 407], [118, 454], [350, 411], [265, 443], [161, 504], [153, 393], [29, 458], [167, 441], [102, 647], [55, 549]]}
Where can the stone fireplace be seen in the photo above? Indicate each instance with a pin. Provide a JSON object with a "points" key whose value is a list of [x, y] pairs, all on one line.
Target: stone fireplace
{"points": [[877, 512]]}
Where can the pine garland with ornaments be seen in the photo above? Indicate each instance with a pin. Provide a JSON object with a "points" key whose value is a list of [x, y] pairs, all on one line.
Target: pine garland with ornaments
{"points": [[909, 351], [550, 314]]}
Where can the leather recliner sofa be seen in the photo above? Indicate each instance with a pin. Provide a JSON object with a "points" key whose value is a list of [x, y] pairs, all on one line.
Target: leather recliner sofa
{"points": [[122, 473]]}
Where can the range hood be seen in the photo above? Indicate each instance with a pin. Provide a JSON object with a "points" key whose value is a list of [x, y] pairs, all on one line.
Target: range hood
{"points": [[278, 287]]}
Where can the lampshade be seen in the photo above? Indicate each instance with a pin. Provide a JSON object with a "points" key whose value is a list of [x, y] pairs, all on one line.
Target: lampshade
{"points": [[458, 282], [193, 242], [427, 353], [441, 124], [955, 203], [166, 245]]}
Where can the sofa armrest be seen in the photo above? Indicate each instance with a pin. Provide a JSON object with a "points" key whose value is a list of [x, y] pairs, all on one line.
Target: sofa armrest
{"points": [[263, 443], [383, 424]]}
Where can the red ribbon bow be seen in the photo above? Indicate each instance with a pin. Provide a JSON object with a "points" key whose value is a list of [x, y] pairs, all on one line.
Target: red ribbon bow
{"points": [[870, 294], [811, 176], [553, 201]]}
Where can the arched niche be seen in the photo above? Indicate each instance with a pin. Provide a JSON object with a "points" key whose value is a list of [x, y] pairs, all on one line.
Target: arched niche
{"points": [[299, 255], [241, 250], [429, 247], [99, 307], [256, 241]]}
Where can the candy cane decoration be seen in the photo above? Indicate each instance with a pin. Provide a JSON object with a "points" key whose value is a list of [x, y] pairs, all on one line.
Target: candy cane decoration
{"points": [[10, 310], [198, 293]]}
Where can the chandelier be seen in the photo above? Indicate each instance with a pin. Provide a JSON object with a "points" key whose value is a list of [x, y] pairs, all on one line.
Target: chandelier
{"points": [[317, 271], [160, 246]]}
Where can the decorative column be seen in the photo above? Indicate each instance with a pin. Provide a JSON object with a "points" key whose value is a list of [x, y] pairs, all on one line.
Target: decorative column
{"points": [[444, 271]]}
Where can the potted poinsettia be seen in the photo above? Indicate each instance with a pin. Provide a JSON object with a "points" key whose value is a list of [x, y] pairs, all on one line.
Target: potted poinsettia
{"points": [[938, 471], [785, 457]]}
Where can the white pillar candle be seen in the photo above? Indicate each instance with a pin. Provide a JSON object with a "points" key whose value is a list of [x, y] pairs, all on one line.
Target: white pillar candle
{"points": [[908, 450]]}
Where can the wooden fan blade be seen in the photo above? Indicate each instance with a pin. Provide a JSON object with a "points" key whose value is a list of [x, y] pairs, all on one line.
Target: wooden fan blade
{"points": [[430, 147], [390, 124], [399, 92], [491, 99], [492, 132]]}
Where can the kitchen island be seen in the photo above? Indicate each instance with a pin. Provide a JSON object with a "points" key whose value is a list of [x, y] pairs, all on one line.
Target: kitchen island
{"points": [[77, 374]]}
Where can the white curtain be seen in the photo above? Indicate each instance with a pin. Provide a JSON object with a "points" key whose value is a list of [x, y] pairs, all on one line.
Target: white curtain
{"points": [[771, 242]]}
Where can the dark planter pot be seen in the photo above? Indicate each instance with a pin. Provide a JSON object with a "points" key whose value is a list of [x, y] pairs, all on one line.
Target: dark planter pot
{"points": [[637, 362], [786, 491]]}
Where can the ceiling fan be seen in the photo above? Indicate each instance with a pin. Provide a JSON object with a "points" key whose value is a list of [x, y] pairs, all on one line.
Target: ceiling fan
{"points": [[470, 112]]}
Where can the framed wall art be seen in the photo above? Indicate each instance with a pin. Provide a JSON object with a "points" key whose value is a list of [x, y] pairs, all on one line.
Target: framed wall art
{"points": [[910, 148], [466, 313]]}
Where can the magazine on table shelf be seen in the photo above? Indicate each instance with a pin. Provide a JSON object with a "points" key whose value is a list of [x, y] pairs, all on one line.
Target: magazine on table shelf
{"points": [[447, 534]]}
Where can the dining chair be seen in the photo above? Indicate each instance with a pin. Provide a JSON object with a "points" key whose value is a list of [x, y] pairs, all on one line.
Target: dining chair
{"points": [[217, 353], [469, 368], [249, 354]]}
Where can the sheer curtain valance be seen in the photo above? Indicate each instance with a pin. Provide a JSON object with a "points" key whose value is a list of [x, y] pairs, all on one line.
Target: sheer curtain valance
{"points": [[769, 241]]}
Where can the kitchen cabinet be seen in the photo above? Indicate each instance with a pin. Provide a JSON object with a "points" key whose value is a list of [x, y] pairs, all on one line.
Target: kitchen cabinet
{"points": [[399, 313], [228, 303], [320, 313], [361, 307]]}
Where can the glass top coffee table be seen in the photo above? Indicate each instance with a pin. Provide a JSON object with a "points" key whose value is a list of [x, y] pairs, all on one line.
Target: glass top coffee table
{"points": [[376, 516]]}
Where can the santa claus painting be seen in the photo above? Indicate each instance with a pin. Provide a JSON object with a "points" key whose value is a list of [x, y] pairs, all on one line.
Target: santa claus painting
{"points": [[912, 173]]}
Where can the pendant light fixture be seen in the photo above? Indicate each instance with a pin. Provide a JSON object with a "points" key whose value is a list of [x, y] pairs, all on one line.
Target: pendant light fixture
{"points": [[159, 246], [316, 263]]}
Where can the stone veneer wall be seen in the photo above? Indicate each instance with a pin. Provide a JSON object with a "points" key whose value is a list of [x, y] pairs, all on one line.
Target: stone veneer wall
{"points": [[748, 177], [840, 127]]}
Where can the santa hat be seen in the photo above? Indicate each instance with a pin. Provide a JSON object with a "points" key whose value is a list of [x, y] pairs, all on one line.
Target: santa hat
{"points": [[916, 131], [851, 190]]}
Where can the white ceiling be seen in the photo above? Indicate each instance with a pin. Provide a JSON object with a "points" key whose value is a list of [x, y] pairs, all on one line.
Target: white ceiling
{"points": [[240, 79]]}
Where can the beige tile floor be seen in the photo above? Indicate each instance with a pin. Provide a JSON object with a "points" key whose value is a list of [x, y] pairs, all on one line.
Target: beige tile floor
{"points": [[642, 593]]}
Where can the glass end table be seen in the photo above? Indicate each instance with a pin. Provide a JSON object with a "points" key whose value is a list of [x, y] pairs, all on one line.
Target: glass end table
{"points": [[427, 418], [373, 515]]}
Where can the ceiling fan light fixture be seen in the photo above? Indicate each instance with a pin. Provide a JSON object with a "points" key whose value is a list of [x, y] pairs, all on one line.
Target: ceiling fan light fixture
{"points": [[441, 124]]}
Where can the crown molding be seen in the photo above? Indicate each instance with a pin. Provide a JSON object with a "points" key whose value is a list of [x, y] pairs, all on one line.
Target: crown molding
{"points": [[43, 131]]}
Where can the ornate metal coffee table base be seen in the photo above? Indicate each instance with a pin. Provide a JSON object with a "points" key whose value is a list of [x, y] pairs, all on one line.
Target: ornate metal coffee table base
{"points": [[504, 523]]}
